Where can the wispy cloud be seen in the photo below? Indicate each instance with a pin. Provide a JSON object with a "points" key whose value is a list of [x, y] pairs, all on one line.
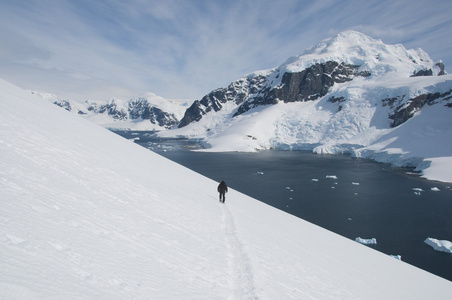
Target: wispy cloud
{"points": [[183, 49]]}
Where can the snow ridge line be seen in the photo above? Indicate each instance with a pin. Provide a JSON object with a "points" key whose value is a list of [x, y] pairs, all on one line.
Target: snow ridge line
{"points": [[240, 272]]}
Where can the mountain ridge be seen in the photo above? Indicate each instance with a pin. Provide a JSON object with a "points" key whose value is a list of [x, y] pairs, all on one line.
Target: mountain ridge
{"points": [[312, 74]]}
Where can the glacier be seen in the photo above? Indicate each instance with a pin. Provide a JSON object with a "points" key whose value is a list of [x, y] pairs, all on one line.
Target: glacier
{"points": [[387, 109]]}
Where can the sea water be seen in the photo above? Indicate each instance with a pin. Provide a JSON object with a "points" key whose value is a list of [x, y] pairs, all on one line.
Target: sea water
{"points": [[351, 197]]}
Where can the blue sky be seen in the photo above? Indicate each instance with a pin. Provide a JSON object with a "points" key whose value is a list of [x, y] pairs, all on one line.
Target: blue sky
{"points": [[84, 49]]}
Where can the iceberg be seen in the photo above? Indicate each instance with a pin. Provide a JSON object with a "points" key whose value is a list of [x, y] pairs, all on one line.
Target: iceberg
{"points": [[439, 245], [398, 257], [372, 241]]}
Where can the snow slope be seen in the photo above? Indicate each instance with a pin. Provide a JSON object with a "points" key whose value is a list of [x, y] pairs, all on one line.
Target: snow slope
{"points": [[86, 214]]}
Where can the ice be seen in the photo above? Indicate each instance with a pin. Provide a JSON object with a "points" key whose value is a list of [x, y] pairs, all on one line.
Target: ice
{"points": [[86, 214], [331, 177], [260, 173], [439, 245], [362, 126], [435, 189], [355, 183], [366, 241], [417, 191], [398, 257], [314, 179]]}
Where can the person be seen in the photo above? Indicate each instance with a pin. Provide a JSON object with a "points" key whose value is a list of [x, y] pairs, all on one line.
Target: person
{"points": [[222, 189]]}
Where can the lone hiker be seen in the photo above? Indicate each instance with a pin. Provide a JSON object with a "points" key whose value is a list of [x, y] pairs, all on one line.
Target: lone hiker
{"points": [[222, 189]]}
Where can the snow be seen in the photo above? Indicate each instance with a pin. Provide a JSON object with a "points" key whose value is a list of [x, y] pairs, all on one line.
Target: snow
{"points": [[352, 47], [439, 245], [360, 126], [175, 106], [87, 214]]}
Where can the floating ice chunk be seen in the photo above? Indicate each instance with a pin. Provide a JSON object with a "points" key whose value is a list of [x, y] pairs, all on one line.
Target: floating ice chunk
{"points": [[260, 173], [287, 187], [435, 189], [314, 179], [439, 245], [417, 191], [366, 241], [398, 257], [331, 176], [355, 183]]}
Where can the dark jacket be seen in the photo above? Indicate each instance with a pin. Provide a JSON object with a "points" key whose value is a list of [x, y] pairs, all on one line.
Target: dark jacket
{"points": [[222, 187]]}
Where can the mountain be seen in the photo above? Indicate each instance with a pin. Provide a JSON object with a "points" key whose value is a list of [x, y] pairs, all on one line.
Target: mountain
{"points": [[147, 112], [343, 95], [87, 214], [345, 57]]}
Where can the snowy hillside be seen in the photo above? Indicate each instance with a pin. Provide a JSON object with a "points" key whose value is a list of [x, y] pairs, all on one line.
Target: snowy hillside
{"points": [[147, 112], [346, 93], [87, 214]]}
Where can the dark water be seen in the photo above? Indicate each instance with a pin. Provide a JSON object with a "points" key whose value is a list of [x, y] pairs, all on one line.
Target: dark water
{"points": [[367, 200]]}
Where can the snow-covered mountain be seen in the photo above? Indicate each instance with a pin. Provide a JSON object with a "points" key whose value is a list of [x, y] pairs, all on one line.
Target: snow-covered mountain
{"points": [[349, 93], [86, 214], [147, 112]]}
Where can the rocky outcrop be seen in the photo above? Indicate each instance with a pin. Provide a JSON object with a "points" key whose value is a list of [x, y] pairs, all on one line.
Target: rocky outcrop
{"points": [[406, 110], [140, 108], [257, 90], [429, 72], [111, 108], [237, 92], [309, 84], [63, 104]]}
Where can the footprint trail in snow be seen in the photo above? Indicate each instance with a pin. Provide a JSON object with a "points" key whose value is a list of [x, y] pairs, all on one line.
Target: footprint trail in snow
{"points": [[240, 272]]}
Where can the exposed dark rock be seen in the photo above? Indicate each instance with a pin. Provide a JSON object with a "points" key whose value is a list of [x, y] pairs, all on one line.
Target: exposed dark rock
{"points": [[393, 102], [309, 84], [237, 92], [429, 72], [141, 108], [336, 99], [406, 110], [64, 104], [111, 108]]}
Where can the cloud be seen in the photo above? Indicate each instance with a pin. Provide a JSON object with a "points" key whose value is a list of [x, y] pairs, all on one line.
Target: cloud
{"points": [[185, 49]]}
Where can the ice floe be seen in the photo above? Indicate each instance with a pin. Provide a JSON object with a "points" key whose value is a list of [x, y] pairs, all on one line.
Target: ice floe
{"points": [[439, 245], [366, 241], [398, 257]]}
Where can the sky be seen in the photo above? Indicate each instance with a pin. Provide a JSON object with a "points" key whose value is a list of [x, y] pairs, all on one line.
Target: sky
{"points": [[183, 49]]}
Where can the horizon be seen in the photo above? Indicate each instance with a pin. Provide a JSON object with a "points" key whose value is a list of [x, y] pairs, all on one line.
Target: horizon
{"points": [[82, 50]]}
